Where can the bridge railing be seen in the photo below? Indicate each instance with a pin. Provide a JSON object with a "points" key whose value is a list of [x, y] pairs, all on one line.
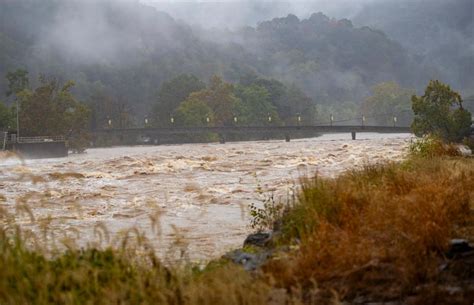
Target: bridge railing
{"points": [[40, 139]]}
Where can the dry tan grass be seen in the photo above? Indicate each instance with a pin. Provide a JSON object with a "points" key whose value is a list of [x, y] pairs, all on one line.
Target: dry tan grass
{"points": [[379, 231]]}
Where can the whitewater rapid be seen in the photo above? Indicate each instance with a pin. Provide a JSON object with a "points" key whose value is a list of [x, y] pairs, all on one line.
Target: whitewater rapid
{"points": [[191, 197]]}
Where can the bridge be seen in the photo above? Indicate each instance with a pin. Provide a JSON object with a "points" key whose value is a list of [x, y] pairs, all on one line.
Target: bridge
{"points": [[35, 147], [224, 132]]}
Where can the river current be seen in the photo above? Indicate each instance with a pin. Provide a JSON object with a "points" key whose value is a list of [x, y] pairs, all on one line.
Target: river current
{"points": [[193, 197]]}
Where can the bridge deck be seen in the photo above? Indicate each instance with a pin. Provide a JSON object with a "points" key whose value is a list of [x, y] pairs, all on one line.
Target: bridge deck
{"points": [[256, 129]]}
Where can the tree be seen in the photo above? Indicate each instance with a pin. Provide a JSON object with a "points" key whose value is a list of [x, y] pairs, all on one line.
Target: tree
{"points": [[7, 118], [255, 106], [172, 93], [51, 109], [440, 112], [277, 92], [289, 101], [220, 98], [299, 104], [193, 112], [388, 99], [107, 108], [17, 81]]}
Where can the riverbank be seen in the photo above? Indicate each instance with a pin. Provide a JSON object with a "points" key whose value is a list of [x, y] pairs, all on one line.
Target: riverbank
{"points": [[382, 234]]}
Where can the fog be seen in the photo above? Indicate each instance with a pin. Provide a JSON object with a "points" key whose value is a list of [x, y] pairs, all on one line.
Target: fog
{"points": [[130, 47], [234, 14], [83, 30], [106, 32]]}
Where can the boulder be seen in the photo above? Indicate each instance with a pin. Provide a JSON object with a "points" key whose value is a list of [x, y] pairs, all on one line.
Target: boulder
{"points": [[459, 247], [261, 239], [249, 261], [463, 150]]}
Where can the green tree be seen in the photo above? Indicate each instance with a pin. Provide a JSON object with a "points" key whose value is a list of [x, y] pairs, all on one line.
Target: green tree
{"points": [[255, 106], [299, 104], [388, 99], [277, 92], [7, 118], [193, 112], [220, 98], [51, 109], [17, 81], [18, 84], [107, 108], [172, 93], [77, 118], [290, 101], [440, 111]]}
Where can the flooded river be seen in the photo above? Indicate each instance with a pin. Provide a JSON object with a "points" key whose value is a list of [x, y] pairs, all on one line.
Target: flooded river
{"points": [[194, 195]]}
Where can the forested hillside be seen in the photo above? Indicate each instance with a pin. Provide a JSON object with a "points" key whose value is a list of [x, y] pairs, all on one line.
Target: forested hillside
{"points": [[330, 59], [440, 33], [115, 50], [121, 53]]}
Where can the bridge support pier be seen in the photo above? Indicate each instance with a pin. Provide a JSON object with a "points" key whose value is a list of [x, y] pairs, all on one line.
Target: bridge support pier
{"points": [[221, 138], [287, 138], [353, 134]]}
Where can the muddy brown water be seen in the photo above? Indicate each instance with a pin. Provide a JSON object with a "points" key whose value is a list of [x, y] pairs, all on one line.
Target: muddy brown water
{"points": [[195, 196]]}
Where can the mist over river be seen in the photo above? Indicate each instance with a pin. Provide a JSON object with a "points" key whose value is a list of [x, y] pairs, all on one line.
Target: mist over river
{"points": [[195, 196]]}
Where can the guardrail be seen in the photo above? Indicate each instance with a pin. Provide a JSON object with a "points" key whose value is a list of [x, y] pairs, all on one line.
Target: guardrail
{"points": [[41, 139], [256, 129]]}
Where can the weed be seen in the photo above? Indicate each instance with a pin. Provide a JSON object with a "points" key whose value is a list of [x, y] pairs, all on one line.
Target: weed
{"points": [[432, 146], [266, 217]]}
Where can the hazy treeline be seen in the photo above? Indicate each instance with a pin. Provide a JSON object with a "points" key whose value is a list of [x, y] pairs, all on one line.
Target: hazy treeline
{"points": [[121, 54]]}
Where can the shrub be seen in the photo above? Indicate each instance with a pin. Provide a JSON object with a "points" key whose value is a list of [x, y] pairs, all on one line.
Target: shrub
{"points": [[430, 147]]}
